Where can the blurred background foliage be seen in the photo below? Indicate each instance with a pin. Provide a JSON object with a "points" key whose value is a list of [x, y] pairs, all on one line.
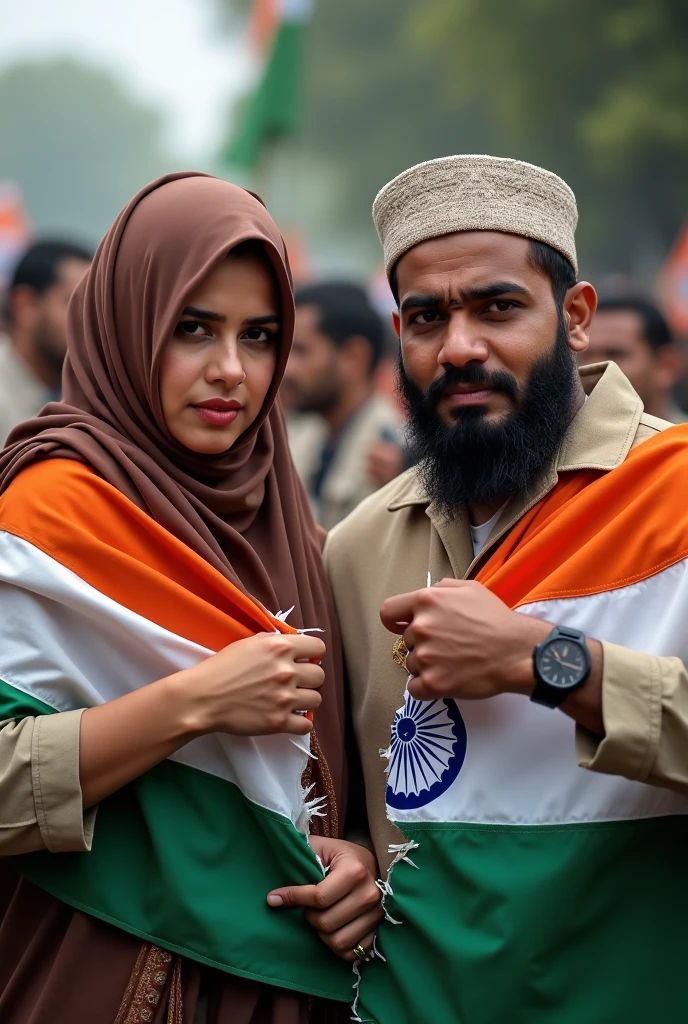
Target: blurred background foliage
{"points": [[597, 92], [77, 142]]}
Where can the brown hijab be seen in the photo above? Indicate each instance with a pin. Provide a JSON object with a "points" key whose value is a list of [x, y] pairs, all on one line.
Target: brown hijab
{"points": [[244, 511]]}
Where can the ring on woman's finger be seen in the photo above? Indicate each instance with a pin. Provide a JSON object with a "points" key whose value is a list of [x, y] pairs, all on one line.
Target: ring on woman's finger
{"points": [[360, 952]]}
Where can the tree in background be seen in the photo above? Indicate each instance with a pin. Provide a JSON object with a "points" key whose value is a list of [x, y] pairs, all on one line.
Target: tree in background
{"points": [[596, 92], [76, 144]]}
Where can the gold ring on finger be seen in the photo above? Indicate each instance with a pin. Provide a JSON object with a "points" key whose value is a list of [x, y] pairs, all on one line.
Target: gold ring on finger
{"points": [[400, 652]]}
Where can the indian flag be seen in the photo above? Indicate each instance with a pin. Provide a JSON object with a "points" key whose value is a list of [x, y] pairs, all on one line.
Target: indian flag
{"points": [[529, 889], [273, 111], [96, 600]]}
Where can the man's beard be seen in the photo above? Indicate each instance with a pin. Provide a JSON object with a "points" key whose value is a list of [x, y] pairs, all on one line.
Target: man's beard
{"points": [[476, 462]]}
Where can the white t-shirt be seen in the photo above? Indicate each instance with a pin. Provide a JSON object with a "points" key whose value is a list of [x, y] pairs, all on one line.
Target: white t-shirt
{"points": [[479, 534]]}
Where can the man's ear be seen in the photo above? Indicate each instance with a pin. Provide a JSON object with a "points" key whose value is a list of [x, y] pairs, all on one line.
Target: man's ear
{"points": [[396, 323], [579, 308]]}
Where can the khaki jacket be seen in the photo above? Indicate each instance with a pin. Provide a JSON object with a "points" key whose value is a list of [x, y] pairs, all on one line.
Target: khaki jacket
{"points": [[390, 542], [347, 482], [40, 793]]}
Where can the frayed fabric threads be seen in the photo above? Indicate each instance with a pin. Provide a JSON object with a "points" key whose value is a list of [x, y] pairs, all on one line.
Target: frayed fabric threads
{"points": [[401, 853], [314, 808]]}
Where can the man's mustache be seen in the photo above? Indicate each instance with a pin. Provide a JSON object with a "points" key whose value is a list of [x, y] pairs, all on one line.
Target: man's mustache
{"points": [[497, 380]]}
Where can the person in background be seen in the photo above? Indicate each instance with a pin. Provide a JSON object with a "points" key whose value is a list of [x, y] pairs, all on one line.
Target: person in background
{"points": [[33, 350], [632, 332], [344, 431]]}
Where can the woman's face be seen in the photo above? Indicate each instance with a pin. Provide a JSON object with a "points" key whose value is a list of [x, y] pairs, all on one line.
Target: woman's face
{"points": [[219, 363]]}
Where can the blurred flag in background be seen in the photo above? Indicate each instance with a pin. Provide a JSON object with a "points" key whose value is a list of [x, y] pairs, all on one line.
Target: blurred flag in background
{"points": [[673, 281], [273, 111], [14, 229]]}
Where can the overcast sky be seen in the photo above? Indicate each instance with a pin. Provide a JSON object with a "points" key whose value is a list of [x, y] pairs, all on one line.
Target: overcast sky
{"points": [[166, 52]]}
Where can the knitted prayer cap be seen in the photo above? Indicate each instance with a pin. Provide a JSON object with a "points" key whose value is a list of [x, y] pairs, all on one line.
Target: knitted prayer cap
{"points": [[475, 193]]}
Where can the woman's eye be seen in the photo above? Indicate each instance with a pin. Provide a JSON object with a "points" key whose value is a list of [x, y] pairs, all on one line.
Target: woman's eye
{"points": [[258, 336], [192, 329]]}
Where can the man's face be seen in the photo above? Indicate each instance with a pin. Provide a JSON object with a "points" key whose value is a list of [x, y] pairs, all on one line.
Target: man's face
{"points": [[312, 380], [487, 368], [49, 331], [618, 335], [489, 309]]}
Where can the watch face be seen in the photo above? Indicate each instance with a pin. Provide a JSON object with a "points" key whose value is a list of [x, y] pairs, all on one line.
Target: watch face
{"points": [[562, 662]]}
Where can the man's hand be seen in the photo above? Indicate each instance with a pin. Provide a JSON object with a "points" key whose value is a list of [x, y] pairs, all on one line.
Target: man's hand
{"points": [[345, 907], [463, 641]]}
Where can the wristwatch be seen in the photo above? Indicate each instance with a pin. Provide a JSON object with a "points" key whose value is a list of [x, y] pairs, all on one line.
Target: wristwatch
{"points": [[561, 664]]}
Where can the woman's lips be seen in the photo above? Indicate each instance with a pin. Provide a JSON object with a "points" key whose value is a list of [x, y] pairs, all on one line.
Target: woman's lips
{"points": [[218, 413]]}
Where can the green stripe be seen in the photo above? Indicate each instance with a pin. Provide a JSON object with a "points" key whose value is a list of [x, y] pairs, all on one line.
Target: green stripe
{"points": [[532, 925], [184, 860], [17, 704]]}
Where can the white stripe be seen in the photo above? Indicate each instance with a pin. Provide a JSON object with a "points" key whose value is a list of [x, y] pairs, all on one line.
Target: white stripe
{"points": [[520, 765], [70, 646]]}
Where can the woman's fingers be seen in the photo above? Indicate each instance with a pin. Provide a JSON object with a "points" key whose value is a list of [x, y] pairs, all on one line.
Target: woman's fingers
{"points": [[309, 676], [343, 943], [345, 907], [305, 645], [306, 700], [362, 904], [296, 725]]}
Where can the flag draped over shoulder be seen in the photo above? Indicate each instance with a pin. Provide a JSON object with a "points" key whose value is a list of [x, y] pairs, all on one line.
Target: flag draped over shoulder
{"points": [[274, 109], [96, 600], [531, 889]]}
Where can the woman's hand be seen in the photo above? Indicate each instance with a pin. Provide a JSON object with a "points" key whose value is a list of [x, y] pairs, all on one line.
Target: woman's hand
{"points": [[345, 907], [251, 688], [255, 686]]}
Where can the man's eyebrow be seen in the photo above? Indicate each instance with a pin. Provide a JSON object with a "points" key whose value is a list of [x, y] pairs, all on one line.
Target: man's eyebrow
{"points": [[491, 291], [420, 301], [466, 295], [204, 314]]}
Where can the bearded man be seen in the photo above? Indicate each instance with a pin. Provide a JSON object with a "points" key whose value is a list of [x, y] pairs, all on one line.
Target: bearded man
{"points": [[533, 569]]}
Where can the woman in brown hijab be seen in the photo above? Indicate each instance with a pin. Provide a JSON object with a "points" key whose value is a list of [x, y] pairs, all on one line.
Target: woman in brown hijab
{"points": [[154, 514]]}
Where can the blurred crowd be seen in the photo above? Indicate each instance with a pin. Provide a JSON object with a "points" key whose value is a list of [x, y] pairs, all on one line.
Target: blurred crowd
{"points": [[345, 422], [33, 335]]}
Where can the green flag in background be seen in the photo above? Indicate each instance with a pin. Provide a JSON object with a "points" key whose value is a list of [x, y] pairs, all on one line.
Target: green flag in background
{"points": [[274, 109]]}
